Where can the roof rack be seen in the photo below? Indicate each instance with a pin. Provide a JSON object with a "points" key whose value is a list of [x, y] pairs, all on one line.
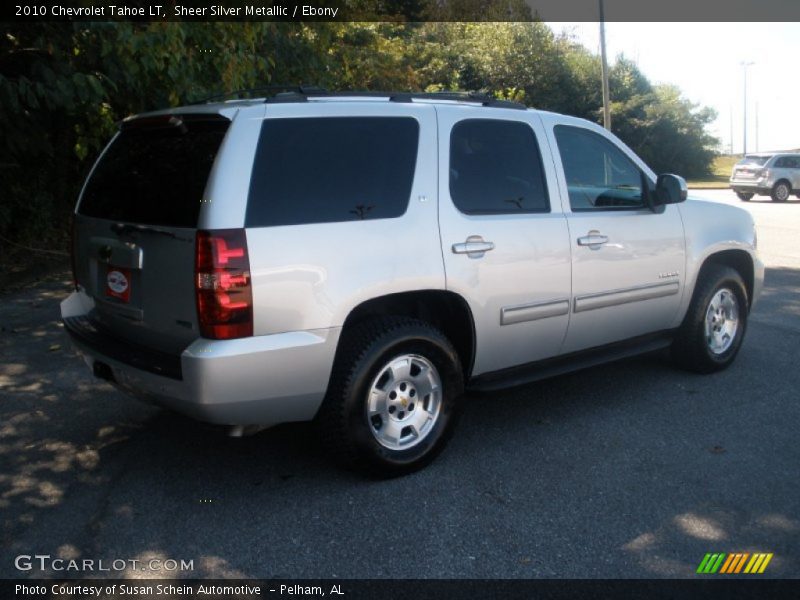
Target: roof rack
{"points": [[302, 94], [271, 89]]}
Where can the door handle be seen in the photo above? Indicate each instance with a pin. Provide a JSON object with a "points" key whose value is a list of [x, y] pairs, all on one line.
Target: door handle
{"points": [[594, 239], [474, 247]]}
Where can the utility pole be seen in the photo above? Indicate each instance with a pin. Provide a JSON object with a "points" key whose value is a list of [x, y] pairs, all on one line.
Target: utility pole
{"points": [[756, 125], [731, 107], [745, 64], [606, 94]]}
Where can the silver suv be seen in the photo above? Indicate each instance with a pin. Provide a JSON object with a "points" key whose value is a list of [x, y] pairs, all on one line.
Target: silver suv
{"points": [[361, 260], [774, 175]]}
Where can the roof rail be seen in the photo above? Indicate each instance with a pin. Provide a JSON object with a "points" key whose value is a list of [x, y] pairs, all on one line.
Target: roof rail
{"points": [[272, 89], [304, 93]]}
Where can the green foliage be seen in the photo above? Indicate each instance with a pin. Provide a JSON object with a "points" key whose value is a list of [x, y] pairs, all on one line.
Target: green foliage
{"points": [[63, 87]]}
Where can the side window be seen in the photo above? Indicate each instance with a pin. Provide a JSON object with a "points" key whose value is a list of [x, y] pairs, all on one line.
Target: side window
{"points": [[794, 162], [782, 162], [599, 175], [324, 170], [496, 168]]}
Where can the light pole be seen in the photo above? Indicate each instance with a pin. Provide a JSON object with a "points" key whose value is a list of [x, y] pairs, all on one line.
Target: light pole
{"points": [[731, 106], [744, 65], [606, 93], [756, 125]]}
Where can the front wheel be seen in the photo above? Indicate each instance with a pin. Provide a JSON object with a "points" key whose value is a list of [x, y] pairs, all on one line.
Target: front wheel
{"points": [[715, 324], [744, 196], [780, 192], [392, 399]]}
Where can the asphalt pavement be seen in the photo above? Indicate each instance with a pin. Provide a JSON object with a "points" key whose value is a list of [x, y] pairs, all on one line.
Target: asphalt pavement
{"points": [[628, 470]]}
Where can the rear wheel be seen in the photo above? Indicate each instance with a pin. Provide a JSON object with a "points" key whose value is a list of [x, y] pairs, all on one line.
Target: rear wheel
{"points": [[392, 399], [781, 191], [744, 196], [715, 324]]}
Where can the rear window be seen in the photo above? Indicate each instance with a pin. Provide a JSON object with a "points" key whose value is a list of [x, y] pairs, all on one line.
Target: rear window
{"points": [[155, 173], [332, 169], [754, 160]]}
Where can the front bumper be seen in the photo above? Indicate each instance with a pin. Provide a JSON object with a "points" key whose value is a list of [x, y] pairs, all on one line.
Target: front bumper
{"points": [[260, 380]]}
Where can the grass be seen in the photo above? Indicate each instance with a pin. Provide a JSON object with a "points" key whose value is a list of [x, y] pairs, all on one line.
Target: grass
{"points": [[720, 173]]}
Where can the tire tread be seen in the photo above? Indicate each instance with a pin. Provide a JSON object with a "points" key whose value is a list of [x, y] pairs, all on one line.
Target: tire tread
{"points": [[356, 347], [686, 351]]}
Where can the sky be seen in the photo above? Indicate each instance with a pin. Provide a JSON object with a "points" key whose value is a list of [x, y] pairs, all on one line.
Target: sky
{"points": [[704, 61]]}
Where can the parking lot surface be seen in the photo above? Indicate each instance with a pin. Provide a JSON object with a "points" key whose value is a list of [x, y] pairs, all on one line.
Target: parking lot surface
{"points": [[633, 469]]}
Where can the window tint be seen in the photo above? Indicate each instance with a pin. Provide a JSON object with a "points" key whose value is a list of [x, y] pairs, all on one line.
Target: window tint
{"points": [[787, 162], [155, 175], [599, 175], [322, 170], [754, 160], [496, 167]]}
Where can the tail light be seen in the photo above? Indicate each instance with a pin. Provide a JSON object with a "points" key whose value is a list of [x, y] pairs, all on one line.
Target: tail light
{"points": [[222, 284]]}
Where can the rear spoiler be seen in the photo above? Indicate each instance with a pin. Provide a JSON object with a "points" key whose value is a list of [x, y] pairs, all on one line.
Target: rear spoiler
{"points": [[169, 121]]}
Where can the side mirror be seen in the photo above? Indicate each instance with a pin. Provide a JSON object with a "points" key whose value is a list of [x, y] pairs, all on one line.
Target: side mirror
{"points": [[670, 189]]}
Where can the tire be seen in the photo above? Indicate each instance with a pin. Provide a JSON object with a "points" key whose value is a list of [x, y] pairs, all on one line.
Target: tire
{"points": [[745, 196], [780, 191], [413, 427], [707, 342]]}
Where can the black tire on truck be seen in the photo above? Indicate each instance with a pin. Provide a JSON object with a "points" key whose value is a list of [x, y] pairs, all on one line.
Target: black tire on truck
{"points": [[712, 331], [393, 396]]}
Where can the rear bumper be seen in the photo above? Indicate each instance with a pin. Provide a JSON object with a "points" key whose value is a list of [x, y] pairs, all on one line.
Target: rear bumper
{"points": [[756, 186], [261, 380]]}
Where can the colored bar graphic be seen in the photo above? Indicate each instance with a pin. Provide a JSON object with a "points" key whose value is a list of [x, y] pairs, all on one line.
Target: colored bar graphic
{"points": [[754, 564], [703, 563], [711, 563], [727, 567], [734, 563], [741, 562], [731, 563], [765, 563]]}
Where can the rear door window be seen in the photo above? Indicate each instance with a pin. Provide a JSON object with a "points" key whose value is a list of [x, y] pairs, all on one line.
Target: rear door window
{"points": [[496, 168], [332, 169], [155, 171]]}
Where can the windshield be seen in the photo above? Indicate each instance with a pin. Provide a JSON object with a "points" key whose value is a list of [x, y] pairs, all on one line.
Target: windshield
{"points": [[754, 160]]}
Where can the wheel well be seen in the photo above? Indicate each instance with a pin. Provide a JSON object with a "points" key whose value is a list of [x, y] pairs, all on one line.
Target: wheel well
{"points": [[740, 261], [786, 181], [447, 311]]}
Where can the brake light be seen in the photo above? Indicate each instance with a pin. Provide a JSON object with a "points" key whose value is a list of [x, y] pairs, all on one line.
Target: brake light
{"points": [[222, 284]]}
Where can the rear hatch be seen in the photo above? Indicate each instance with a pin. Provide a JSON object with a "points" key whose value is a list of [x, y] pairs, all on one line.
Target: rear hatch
{"points": [[135, 228], [749, 167]]}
